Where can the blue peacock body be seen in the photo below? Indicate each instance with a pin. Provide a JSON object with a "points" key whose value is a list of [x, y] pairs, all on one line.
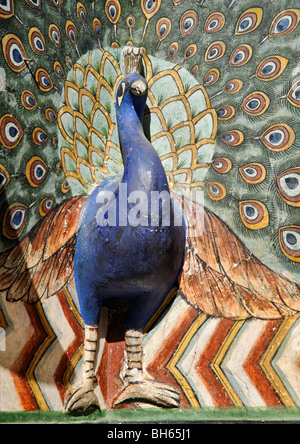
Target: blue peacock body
{"points": [[219, 124]]}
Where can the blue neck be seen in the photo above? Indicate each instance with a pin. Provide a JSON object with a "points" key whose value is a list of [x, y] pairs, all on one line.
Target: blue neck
{"points": [[142, 166]]}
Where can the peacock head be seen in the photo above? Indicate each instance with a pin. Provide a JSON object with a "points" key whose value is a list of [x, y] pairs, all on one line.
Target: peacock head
{"points": [[132, 91]]}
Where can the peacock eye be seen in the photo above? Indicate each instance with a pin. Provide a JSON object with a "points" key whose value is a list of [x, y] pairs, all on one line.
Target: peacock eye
{"points": [[254, 214], [214, 22], [46, 205], [249, 21], [58, 69], [288, 184], [256, 103], [10, 131], [113, 10], [222, 165], [233, 138], [190, 51], [97, 27], [172, 51], [188, 22], [293, 95], [71, 31], [81, 12], [233, 86], [289, 239], [284, 23], [39, 136], [36, 171], [14, 220], [225, 112], [34, 3], [253, 173], [271, 68], [278, 137], [43, 80], [37, 41], [4, 178], [215, 51], [211, 77], [216, 191], [54, 35], [163, 27], [50, 114], [14, 52], [240, 55]]}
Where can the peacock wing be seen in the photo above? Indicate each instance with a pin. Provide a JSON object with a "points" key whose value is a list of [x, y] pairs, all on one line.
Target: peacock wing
{"points": [[223, 278], [42, 263]]}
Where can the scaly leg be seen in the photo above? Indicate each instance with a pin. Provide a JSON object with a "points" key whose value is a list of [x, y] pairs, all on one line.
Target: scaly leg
{"points": [[83, 397], [138, 387]]}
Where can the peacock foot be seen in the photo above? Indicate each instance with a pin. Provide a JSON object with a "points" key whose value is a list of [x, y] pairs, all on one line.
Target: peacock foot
{"points": [[81, 398], [150, 392]]}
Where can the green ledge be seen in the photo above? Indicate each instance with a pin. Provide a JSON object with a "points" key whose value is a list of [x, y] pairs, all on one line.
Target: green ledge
{"points": [[155, 415]]}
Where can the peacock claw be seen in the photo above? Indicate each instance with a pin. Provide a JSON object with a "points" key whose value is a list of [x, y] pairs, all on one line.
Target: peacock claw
{"points": [[81, 398], [150, 392]]}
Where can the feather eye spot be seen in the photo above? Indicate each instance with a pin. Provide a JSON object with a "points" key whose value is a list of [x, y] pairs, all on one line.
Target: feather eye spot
{"points": [[150, 7], [81, 12], [240, 55], [14, 52], [211, 77], [225, 112], [233, 86], [113, 10], [190, 51], [54, 35], [188, 22], [43, 80], [254, 214], [284, 23], [71, 31], [11, 131], [289, 240], [293, 95], [46, 205], [214, 22], [14, 220], [37, 41], [253, 173], [249, 21], [271, 68], [28, 100], [256, 103], [278, 137], [232, 138], [36, 171], [4, 178], [97, 27], [216, 191], [215, 51], [288, 184], [39, 136], [163, 28], [222, 165], [172, 50]]}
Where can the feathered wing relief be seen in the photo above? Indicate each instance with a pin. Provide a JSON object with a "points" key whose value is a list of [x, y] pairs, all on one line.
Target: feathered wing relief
{"points": [[222, 277], [42, 263]]}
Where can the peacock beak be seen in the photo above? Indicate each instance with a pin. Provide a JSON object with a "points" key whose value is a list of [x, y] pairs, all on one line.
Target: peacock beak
{"points": [[138, 87]]}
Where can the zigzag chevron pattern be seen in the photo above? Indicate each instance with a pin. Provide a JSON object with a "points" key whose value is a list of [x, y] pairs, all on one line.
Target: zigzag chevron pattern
{"points": [[215, 362]]}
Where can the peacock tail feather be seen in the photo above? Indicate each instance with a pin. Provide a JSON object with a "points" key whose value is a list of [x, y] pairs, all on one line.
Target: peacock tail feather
{"points": [[222, 111]]}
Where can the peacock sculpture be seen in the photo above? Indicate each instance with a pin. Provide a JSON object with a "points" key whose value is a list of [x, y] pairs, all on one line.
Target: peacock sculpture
{"points": [[196, 101]]}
